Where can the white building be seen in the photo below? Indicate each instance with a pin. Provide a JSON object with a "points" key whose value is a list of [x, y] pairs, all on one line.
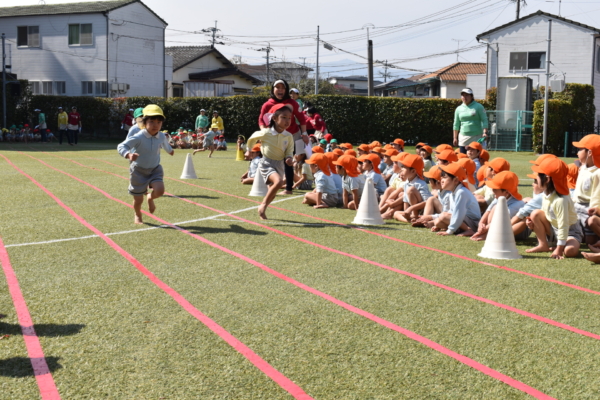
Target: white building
{"points": [[520, 47], [101, 48], [448, 82], [359, 85]]}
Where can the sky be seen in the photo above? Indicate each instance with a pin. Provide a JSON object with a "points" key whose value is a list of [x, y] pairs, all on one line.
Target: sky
{"points": [[412, 36]]}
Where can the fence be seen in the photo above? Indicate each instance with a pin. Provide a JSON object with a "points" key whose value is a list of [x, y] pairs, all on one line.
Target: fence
{"points": [[572, 136], [510, 130]]}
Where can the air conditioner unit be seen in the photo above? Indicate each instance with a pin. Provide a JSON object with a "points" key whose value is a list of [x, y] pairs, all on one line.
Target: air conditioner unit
{"points": [[557, 85], [121, 87], [114, 87]]}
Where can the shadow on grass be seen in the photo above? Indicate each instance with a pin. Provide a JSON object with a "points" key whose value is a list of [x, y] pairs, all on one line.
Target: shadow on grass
{"points": [[20, 367], [196, 196], [236, 229], [330, 225], [47, 330]]}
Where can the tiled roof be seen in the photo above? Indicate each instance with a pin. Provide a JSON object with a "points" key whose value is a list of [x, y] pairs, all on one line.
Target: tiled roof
{"points": [[183, 55], [456, 72], [397, 83], [289, 65], [539, 12], [221, 72]]}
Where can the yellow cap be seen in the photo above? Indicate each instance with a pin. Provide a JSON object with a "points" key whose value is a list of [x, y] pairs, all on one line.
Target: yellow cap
{"points": [[153, 110]]}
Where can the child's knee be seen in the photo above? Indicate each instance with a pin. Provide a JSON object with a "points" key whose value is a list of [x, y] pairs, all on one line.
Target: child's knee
{"points": [[571, 251]]}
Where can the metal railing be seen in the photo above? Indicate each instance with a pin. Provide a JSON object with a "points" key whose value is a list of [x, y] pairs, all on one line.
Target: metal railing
{"points": [[510, 130], [570, 137]]}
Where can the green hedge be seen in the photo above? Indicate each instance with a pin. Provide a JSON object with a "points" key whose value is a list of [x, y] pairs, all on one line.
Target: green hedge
{"points": [[16, 106], [354, 119], [572, 107]]}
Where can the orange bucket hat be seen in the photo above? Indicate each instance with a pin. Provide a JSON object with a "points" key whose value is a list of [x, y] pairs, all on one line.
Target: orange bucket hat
{"points": [[454, 169], [556, 169], [331, 157], [434, 173], [475, 146], [414, 161], [350, 164], [374, 159], [443, 147], [350, 153], [391, 152], [506, 180], [498, 164], [541, 158], [256, 148], [469, 166], [318, 149], [484, 155], [447, 155], [339, 152], [572, 175], [321, 161]]}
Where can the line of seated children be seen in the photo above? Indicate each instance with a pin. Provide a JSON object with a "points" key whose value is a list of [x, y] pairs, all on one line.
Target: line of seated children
{"points": [[255, 156]]}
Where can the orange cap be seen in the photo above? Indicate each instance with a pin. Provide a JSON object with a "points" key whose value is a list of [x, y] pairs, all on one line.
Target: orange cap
{"points": [[414, 161], [454, 169], [506, 180], [443, 147], [457, 150], [475, 146], [321, 161], [339, 152], [350, 153], [375, 143], [481, 175], [434, 173], [256, 148], [391, 152], [377, 150], [498, 164], [572, 175], [375, 160], [447, 155], [556, 169], [331, 158], [399, 142], [345, 146], [364, 147], [461, 155], [589, 142], [400, 156], [469, 166], [318, 149], [533, 176], [350, 164], [388, 146], [484, 155], [428, 149], [420, 144], [541, 158]]}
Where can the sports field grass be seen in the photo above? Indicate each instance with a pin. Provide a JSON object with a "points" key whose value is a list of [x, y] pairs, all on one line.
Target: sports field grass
{"points": [[299, 306]]}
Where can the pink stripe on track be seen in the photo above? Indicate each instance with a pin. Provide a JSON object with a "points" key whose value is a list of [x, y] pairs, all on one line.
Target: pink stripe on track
{"points": [[254, 358], [555, 281], [41, 371], [389, 268], [412, 335]]}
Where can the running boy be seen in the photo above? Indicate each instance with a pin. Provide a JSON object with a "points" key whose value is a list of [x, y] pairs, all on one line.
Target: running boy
{"points": [[145, 168]]}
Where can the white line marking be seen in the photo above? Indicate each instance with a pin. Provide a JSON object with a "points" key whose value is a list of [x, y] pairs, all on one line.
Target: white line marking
{"points": [[148, 229]]}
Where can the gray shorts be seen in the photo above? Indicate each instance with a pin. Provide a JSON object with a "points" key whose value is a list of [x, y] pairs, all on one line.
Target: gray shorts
{"points": [[473, 225], [582, 216], [306, 185], [141, 178], [523, 235], [575, 232], [267, 166], [330, 199], [208, 142]]}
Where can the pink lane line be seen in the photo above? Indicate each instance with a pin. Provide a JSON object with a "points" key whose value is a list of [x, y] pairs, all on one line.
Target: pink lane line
{"points": [[387, 267], [558, 282], [41, 371], [254, 358], [410, 334]]}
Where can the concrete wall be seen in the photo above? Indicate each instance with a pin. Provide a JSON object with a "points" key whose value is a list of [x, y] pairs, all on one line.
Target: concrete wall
{"points": [[451, 90], [136, 51], [477, 83]]}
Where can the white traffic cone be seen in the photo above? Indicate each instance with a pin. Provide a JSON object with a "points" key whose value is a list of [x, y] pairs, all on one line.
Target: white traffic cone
{"points": [[368, 209], [500, 243], [259, 187], [188, 169]]}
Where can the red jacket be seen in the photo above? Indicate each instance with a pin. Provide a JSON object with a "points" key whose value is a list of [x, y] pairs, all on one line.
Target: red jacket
{"points": [[128, 120], [297, 113], [318, 123], [74, 118], [309, 124]]}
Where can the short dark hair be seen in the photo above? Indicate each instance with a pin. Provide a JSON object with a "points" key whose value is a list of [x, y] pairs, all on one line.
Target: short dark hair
{"points": [[547, 180], [147, 117]]}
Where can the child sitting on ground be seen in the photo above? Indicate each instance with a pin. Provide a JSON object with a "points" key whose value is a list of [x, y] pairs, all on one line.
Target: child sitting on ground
{"points": [[518, 222], [325, 193], [49, 135], [464, 213], [222, 146], [474, 152], [416, 191], [388, 172], [303, 176], [255, 155], [505, 184], [425, 153], [353, 181], [469, 167], [392, 198], [485, 195], [439, 201], [556, 222], [370, 168], [337, 179]]}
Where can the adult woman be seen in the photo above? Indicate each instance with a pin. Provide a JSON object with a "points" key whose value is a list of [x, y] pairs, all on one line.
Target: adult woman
{"points": [[470, 121], [280, 94], [202, 121]]}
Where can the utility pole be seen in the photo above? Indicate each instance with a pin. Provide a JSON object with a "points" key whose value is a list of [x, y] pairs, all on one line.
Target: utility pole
{"points": [[268, 49], [303, 61], [3, 81], [317, 72], [519, 6], [457, 46], [214, 34], [385, 74], [547, 89], [370, 76]]}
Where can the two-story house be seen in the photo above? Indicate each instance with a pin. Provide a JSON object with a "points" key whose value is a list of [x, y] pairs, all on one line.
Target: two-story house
{"points": [[101, 48]]}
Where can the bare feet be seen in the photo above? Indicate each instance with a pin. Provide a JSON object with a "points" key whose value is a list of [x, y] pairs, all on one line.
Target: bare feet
{"points": [[284, 192], [539, 249], [593, 257], [138, 219], [261, 211], [389, 214], [595, 248], [151, 206], [417, 223], [466, 233], [478, 237]]}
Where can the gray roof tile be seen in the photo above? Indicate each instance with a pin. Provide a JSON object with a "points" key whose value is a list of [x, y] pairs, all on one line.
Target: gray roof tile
{"points": [[66, 8]]}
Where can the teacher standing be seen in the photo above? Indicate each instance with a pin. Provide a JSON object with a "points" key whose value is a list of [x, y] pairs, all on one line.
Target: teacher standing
{"points": [[470, 121]]}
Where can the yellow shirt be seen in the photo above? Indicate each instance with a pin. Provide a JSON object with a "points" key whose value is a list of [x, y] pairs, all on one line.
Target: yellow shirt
{"points": [[487, 193], [219, 121], [588, 185], [397, 183], [63, 118], [561, 213], [273, 145]]}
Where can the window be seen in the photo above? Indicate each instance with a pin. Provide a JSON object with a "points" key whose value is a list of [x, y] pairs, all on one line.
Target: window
{"points": [[352, 86], [80, 34], [87, 87], [101, 87], [526, 61], [177, 91], [47, 87], [28, 36], [61, 87], [35, 88]]}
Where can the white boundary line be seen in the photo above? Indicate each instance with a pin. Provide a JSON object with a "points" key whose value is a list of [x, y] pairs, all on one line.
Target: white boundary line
{"points": [[151, 228]]}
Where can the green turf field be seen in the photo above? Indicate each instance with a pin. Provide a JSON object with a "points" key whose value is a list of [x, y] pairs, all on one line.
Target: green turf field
{"points": [[314, 308]]}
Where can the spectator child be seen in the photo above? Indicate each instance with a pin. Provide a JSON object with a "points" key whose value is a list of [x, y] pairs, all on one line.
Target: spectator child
{"points": [[255, 156], [587, 188], [325, 194], [392, 199], [222, 144], [337, 179], [416, 191], [303, 176], [485, 195], [370, 168], [518, 222], [425, 153], [398, 145], [353, 181], [439, 201]]}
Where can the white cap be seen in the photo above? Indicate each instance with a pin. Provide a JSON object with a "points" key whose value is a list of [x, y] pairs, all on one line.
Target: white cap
{"points": [[203, 110], [131, 109], [294, 90], [467, 91], [60, 108], [37, 110], [278, 81]]}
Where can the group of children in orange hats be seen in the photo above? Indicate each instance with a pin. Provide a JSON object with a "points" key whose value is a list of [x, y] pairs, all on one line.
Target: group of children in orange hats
{"points": [[23, 133]]}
